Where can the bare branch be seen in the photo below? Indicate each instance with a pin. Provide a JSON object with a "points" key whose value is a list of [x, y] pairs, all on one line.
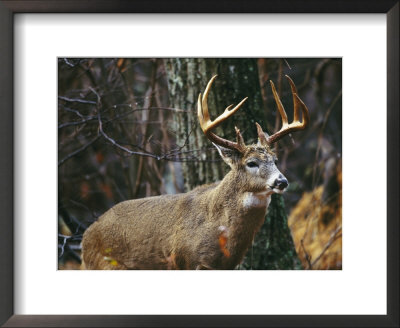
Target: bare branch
{"points": [[78, 100], [78, 151]]}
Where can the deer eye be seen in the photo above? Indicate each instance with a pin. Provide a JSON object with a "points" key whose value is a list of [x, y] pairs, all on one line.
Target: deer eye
{"points": [[252, 164]]}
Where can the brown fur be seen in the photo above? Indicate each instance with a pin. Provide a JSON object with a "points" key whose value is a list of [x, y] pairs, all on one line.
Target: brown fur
{"points": [[182, 231]]}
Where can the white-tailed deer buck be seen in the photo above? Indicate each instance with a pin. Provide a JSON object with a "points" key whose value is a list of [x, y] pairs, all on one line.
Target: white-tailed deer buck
{"points": [[210, 227]]}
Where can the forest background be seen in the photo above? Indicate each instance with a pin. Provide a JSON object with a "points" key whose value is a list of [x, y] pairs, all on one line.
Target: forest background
{"points": [[128, 128]]}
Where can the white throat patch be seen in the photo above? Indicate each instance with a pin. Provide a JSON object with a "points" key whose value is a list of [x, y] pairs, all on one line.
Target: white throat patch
{"points": [[256, 200]]}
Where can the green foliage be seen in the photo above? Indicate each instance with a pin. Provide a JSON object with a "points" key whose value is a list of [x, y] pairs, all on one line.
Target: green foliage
{"points": [[273, 247]]}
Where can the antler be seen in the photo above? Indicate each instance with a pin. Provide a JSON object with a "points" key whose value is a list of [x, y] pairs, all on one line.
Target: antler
{"points": [[286, 127], [207, 125]]}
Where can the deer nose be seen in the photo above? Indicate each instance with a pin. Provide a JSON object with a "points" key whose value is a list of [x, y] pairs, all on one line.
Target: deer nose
{"points": [[281, 183]]}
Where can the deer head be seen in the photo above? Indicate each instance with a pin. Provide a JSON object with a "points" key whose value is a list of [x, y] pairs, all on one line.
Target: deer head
{"points": [[255, 163]]}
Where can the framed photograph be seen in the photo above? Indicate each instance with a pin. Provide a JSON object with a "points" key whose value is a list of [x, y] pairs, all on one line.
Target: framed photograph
{"points": [[107, 110], [164, 142]]}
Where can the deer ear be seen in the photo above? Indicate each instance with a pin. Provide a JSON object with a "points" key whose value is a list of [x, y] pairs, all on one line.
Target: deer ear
{"points": [[259, 143], [230, 156]]}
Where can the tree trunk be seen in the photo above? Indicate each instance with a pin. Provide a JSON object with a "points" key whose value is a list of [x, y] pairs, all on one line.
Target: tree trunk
{"points": [[237, 78]]}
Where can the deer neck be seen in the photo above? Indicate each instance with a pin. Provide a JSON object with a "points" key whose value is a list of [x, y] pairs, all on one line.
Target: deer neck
{"points": [[240, 212], [232, 187], [235, 202]]}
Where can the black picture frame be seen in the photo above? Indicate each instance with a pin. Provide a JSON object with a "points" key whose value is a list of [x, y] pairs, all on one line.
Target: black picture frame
{"points": [[7, 11]]}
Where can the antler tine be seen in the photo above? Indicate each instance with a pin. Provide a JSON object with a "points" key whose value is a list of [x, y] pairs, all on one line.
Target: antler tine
{"points": [[296, 124], [207, 125], [239, 138], [296, 114], [281, 109], [298, 104]]}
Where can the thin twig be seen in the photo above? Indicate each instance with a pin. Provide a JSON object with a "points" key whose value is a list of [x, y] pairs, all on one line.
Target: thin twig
{"points": [[83, 121], [112, 141], [287, 63], [78, 100], [78, 150], [307, 256], [333, 238]]}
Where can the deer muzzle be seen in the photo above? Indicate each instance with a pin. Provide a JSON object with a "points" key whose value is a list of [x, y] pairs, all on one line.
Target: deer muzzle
{"points": [[281, 183], [278, 183]]}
